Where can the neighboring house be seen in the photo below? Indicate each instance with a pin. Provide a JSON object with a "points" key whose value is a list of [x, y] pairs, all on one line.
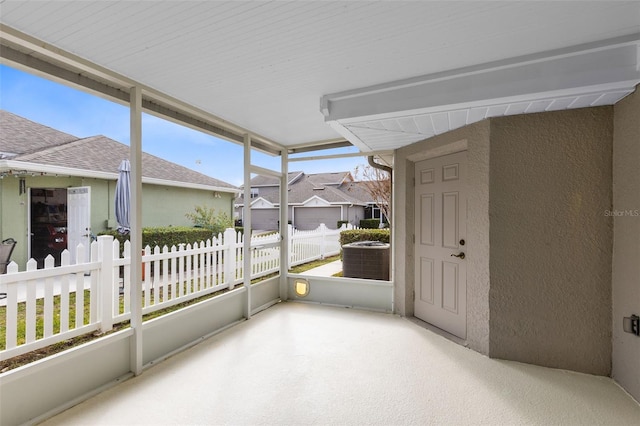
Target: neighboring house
{"points": [[39, 165], [313, 199]]}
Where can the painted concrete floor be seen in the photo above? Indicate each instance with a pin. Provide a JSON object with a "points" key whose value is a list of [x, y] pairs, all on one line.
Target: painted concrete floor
{"points": [[301, 364]]}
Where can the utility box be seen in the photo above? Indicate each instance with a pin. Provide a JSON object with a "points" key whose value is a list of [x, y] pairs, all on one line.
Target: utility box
{"points": [[366, 259]]}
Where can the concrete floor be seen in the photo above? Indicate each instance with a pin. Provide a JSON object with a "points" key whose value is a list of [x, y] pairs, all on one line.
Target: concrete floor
{"points": [[302, 364]]}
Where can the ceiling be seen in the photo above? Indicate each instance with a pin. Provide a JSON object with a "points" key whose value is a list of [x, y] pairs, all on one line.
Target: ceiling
{"points": [[381, 74]]}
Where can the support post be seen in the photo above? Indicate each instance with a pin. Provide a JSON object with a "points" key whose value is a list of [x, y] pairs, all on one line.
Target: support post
{"points": [[229, 239], [246, 250], [284, 224], [135, 158], [106, 282]]}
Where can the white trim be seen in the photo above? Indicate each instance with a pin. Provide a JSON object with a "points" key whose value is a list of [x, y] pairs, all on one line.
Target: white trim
{"points": [[262, 171], [69, 171], [329, 157], [630, 40], [609, 67], [324, 202], [264, 200]]}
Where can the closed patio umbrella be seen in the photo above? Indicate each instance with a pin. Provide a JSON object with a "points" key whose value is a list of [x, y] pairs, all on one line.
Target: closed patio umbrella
{"points": [[123, 197]]}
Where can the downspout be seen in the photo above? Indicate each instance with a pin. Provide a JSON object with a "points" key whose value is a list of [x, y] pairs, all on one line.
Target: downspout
{"points": [[386, 169], [379, 166]]}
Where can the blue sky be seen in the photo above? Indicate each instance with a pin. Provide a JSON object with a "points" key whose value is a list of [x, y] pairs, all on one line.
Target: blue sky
{"points": [[83, 115]]}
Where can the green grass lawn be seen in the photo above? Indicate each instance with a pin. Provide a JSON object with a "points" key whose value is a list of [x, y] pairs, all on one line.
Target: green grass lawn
{"points": [[22, 313]]}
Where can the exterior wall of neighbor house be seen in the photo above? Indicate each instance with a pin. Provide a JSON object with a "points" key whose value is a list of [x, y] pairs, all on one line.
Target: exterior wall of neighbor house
{"points": [[354, 214], [475, 139], [310, 218], [162, 206], [551, 242], [305, 218], [626, 240], [14, 214], [265, 219], [168, 205]]}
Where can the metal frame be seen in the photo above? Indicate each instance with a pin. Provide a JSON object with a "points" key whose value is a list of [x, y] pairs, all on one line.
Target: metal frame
{"points": [[129, 352]]}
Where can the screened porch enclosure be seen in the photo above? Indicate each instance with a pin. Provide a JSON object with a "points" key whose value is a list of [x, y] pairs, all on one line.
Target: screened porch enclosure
{"points": [[404, 81]]}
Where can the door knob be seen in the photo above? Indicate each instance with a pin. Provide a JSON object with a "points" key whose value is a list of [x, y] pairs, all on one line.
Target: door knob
{"points": [[460, 255]]}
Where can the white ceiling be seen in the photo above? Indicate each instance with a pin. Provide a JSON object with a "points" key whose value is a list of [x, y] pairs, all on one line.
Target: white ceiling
{"points": [[266, 65]]}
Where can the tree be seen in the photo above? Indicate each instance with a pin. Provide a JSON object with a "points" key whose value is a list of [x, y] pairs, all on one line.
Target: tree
{"points": [[378, 185]]}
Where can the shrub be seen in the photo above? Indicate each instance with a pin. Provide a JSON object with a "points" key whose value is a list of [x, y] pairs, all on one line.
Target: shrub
{"points": [[169, 236], [206, 217], [351, 236], [369, 223], [342, 222]]}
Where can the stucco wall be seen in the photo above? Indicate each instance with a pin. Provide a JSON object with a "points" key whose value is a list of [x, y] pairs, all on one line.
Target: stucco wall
{"points": [[353, 214], [551, 243], [626, 240], [474, 138], [167, 205]]}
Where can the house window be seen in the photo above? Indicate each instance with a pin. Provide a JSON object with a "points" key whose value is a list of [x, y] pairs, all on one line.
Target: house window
{"points": [[372, 212], [254, 192]]}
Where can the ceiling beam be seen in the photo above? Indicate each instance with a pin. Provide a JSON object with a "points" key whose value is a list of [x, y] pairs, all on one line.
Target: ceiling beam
{"points": [[606, 65]]}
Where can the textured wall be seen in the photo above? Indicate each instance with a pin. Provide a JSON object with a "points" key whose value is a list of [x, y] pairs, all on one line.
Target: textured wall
{"points": [[551, 243], [474, 138], [167, 205], [626, 240]]}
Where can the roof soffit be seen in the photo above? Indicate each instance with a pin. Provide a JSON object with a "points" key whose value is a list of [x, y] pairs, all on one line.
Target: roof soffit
{"points": [[406, 111]]}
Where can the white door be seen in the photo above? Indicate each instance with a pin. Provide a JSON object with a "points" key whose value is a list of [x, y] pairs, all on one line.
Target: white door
{"points": [[440, 265], [79, 220]]}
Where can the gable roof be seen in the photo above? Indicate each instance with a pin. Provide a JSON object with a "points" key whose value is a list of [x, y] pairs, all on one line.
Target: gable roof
{"points": [[334, 188], [21, 136], [357, 190], [34, 143], [335, 178]]}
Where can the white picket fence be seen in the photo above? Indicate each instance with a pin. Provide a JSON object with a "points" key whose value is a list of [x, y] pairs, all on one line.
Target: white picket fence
{"points": [[170, 276]]}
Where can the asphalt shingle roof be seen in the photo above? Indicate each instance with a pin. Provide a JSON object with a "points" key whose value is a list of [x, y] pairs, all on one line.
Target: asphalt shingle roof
{"points": [[21, 136], [334, 178], [323, 185], [36, 143], [262, 180]]}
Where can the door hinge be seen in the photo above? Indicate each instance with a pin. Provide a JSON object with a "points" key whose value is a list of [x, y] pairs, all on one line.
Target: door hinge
{"points": [[414, 182], [414, 295], [413, 238]]}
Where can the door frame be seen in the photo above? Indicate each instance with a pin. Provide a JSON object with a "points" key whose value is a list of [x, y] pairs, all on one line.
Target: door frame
{"points": [[461, 186], [475, 139], [87, 237]]}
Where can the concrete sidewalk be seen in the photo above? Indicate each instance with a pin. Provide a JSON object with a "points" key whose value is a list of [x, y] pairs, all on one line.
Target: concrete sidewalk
{"points": [[327, 270]]}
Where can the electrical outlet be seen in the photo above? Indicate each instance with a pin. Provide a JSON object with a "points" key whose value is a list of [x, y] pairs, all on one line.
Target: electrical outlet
{"points": [[631, 324]]}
